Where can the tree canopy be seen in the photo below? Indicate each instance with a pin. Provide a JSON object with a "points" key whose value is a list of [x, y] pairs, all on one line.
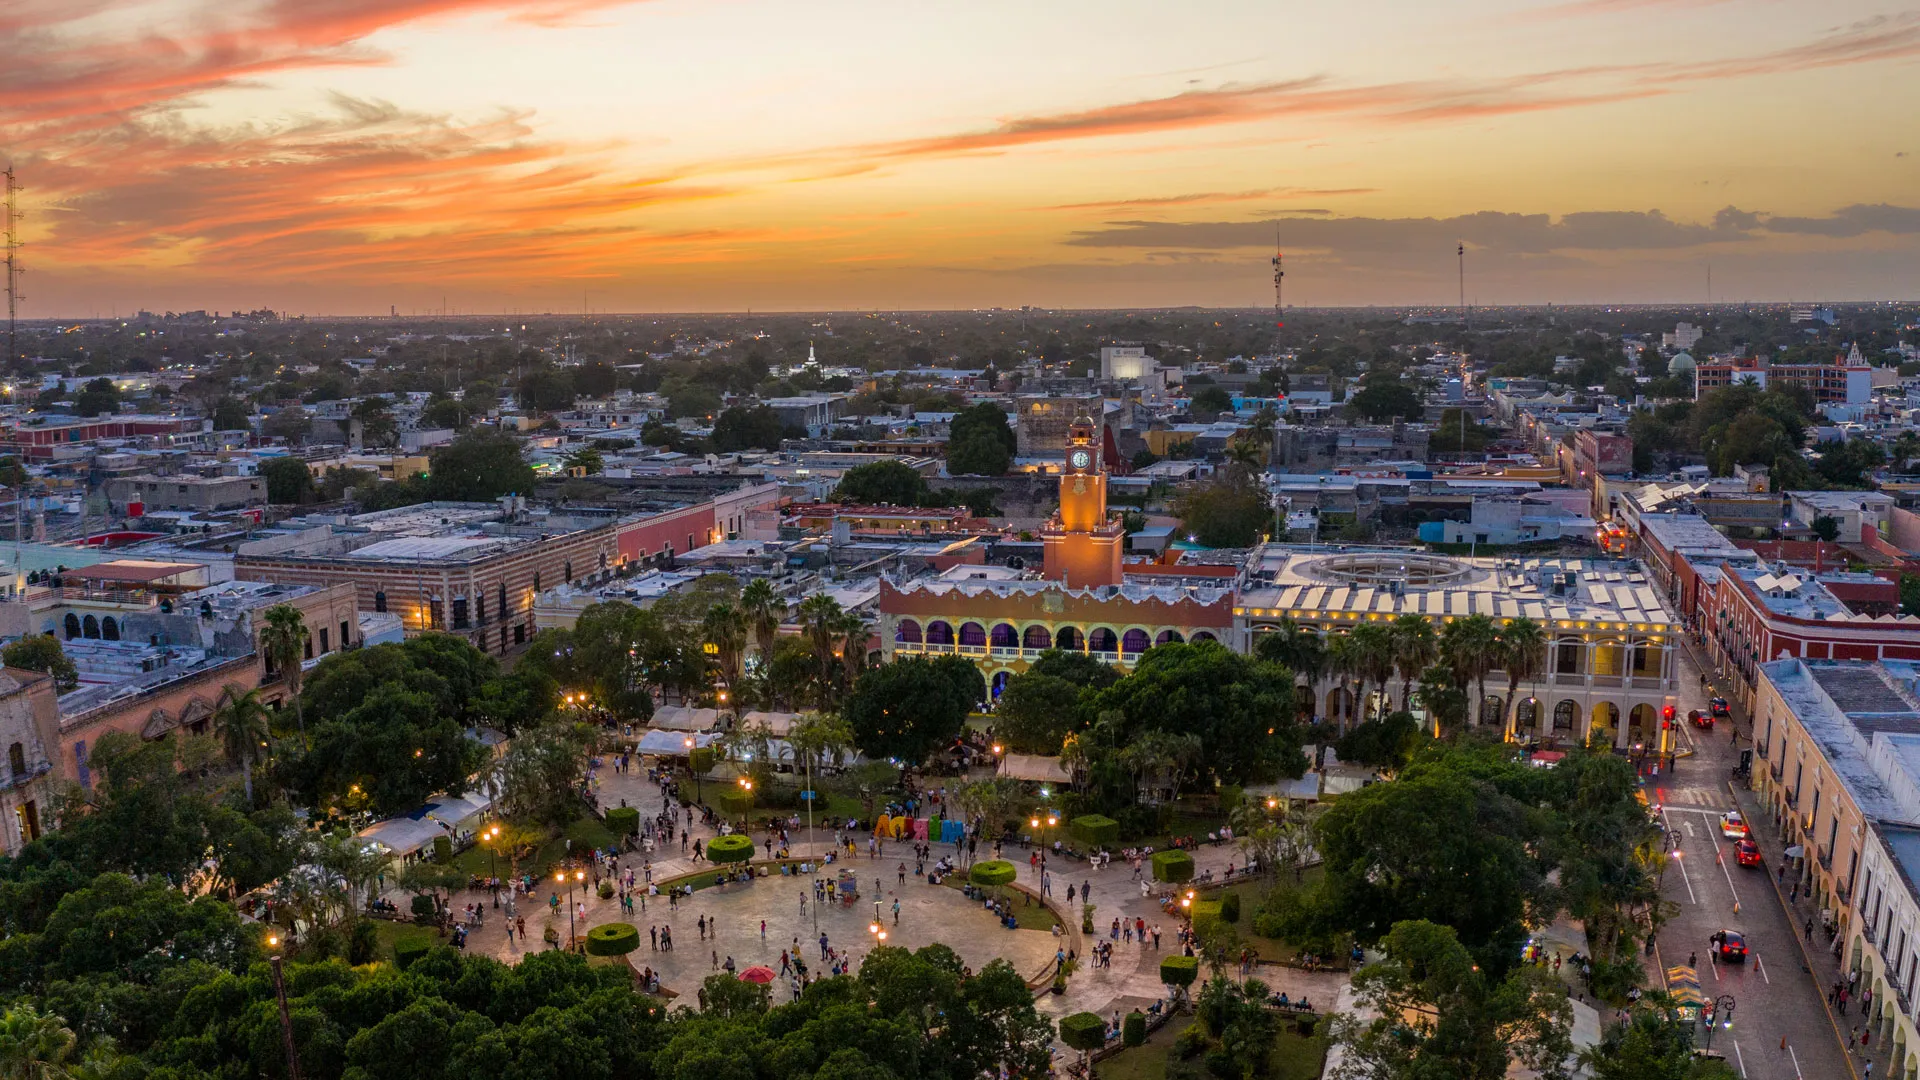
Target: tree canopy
{"points": [[980, 442], [913, 707]]}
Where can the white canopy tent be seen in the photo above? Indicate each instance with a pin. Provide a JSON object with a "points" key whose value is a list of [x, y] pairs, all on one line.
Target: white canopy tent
{"points": [[1034, 768], [671, 743], [681, 718], [443, 815], [778, 724]]}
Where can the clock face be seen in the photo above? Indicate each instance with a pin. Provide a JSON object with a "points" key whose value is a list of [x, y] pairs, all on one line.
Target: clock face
{"points": [[1080, 459]]}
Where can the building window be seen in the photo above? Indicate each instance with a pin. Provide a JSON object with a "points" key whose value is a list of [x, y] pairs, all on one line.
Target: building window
{"points": [[109, 629], [536, 581], [380, 602], [309, 649], [480, 607], [459, 613], [502, 597], [568, 566], [323, 641], [346, 638], [17, 760], [90, 627], [72, 625]]}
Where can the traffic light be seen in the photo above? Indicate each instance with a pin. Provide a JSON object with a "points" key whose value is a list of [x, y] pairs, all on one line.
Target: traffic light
{"points": [[1666, 718]]}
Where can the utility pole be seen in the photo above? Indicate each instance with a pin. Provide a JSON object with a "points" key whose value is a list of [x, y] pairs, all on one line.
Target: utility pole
{"points": [[286, 1021], [10, 240], [1464, 317]]}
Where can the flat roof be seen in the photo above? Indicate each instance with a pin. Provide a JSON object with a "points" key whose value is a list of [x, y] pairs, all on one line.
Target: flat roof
{"points": [[134, 570]]}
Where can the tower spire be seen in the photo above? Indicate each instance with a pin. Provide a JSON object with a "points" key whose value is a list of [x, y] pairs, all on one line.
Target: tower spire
{"points": [[10, 241]]}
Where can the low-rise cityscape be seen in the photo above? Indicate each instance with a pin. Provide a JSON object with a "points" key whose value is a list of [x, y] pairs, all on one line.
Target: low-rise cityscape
{"points": [[768, 541]]}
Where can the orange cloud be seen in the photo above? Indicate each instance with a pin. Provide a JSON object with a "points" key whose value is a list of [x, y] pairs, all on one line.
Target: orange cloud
{"points": [[1211, 197]]}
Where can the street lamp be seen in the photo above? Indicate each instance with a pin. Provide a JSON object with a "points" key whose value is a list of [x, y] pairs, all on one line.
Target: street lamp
{"points": [[578, 876], [493, 855], [1720, 1012], [688, 743], [286, 1019]]}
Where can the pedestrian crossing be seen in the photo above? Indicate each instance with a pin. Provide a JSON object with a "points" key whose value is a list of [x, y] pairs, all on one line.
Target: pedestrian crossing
{"points": [[1702, 798]]}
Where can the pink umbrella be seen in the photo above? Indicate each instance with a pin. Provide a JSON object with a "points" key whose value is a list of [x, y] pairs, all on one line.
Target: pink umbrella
{"points": [[758, 973]]}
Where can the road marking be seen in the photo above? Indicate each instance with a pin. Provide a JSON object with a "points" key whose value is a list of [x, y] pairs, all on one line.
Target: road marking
{"points": [[1796, 1062], [1763, 969], [1691, 899], [1687, 824], [1742, 1058], [1721, 859]]}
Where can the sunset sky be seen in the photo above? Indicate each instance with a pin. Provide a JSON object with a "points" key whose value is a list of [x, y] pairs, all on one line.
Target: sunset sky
{"points": [[341, 156]]}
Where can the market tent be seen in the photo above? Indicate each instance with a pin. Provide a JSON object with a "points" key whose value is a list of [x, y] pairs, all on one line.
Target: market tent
{"points": [[1034, 767], [441, 816], [1683, 985], [670, 743], [681, 718], [777, 724]]}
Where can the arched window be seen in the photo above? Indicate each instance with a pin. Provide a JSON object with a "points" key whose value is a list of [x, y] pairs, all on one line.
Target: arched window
{"points": [[1103, 640], [1068, 639], [999, 684], [1134, 642], [17, 760], [907, 631], [1202, 635], [73, 626], [569, 571], [1493, 711], [90, 627], [1563, 715], [973, 634], [109, 629], [1566, 657], [1526, 714], [1037, 637], [1005, 636], [939, 632], [1169, 637]]}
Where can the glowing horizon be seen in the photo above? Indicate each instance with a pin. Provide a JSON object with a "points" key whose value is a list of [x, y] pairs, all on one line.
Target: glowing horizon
{"points": [[344, 156]]}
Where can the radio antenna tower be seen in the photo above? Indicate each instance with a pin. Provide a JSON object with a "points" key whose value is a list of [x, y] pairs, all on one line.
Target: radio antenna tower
{"points": [[1279, 276], [1466, 317], [10, 239]]}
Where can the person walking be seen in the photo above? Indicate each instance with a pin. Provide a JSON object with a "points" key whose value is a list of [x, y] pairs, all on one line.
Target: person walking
{"points": [[896, 911]]}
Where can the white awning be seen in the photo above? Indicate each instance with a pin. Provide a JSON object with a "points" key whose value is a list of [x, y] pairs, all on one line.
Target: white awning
{"points": [[1034, 767], [670, 743], [681, 718]]}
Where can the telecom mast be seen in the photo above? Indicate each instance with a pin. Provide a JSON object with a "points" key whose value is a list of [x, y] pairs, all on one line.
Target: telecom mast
{"points": [[10, 240]]}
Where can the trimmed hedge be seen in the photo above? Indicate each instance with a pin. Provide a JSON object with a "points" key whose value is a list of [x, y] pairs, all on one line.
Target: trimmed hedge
{"points": [[733, 802], [442, 850], [1133, 1030], [1083, 1031], [993, 873], [1096, 830], [1173, 866], [1230, 907], [730, 849], [1206, 918], [700, 759], [1179, 970], [624, 821], [406, 952], [613, 939]]}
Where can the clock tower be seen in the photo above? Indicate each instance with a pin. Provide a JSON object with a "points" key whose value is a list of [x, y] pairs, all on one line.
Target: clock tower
{"points": [[1082, 545]]}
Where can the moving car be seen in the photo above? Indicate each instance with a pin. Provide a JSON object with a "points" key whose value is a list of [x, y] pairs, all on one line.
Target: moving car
{"points": [[1730, 946], [1733, 826], [1699, 719], [1719, 707], [1746, 852]]}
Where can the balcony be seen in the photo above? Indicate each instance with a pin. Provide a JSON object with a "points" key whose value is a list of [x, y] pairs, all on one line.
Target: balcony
{"points": [[1825, 856], [1006, 653], [21, 779]]}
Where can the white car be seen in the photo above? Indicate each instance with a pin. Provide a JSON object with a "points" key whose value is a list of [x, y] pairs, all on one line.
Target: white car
{"points": [[1733, 827]]}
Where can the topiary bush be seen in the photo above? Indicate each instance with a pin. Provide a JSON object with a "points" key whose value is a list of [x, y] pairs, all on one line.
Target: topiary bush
{"points": [[1083, 1031], [1174, 867], [1179, 970], [1191, 1041], [733, 802], [993, 873], [442, 850], [1133, 1030], [363, 944], [730, 849], [623, 821], [700, 760], [1230, 907], [613, 939], [1095, 830], [406, 952], [424, 907], [606, 889]]}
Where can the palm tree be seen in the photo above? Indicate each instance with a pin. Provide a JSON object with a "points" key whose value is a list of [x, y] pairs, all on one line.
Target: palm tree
{"points": [[240, 722], [1374, 645], [1523, 653], [819, 617], [1343, 661], [726, 627], [33, 1045], [1300, 648], [854, 632], [764, 611], [1468, 644], [1415, 648], [284, 639]]}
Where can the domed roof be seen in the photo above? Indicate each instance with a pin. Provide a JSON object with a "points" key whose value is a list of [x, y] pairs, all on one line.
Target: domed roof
{"points": [[1681, 362]]}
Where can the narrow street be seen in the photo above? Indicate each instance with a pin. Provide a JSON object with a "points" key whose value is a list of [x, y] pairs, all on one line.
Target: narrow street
{"points": [[1781, 1028]]}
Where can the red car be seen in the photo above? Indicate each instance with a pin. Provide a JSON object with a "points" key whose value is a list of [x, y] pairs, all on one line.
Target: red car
{"points": [[1746, 853], [1699, 719], [1729, 946]]}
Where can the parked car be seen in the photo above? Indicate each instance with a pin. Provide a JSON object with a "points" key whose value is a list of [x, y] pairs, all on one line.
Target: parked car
{"points": [[1699, 719], [1733, 826], [1730, 946], [1746, 852]]}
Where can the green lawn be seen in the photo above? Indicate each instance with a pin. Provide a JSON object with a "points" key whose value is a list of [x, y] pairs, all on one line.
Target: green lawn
{"points": [[1295, 1057], [586, 831], [393, 933], [1026, 916]]}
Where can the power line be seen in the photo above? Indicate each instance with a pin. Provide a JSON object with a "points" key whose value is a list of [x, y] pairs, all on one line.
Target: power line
{"points": [[11, 243]]}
